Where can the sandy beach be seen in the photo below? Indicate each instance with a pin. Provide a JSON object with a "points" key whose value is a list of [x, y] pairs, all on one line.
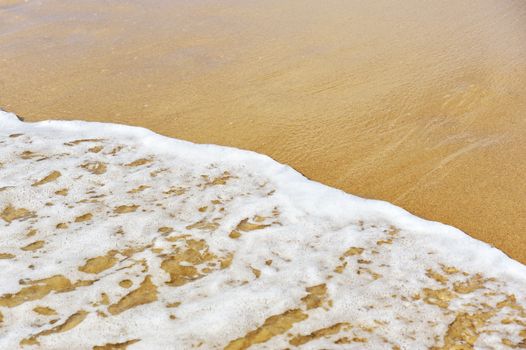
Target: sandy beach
{"points": [[418, 103]]}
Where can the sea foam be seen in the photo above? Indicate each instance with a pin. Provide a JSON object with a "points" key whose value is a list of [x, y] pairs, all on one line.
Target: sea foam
{"points": [[115, 237]]}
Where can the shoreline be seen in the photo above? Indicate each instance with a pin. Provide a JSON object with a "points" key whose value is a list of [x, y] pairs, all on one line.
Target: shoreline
{"points": [[130, 130], [513, 247]]}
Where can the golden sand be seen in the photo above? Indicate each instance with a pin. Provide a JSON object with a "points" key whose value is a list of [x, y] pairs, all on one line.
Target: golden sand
{"points": [[419, 103]]}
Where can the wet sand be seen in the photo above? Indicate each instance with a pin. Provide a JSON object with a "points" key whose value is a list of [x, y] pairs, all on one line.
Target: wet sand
{"points": [[419, 103]]}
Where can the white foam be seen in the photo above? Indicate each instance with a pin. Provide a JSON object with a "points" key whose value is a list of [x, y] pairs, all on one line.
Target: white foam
{"points": [[380, 292]]}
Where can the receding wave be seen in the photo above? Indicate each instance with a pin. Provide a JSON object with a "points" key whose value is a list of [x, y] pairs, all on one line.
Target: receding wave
{"points": [[113, 237]]}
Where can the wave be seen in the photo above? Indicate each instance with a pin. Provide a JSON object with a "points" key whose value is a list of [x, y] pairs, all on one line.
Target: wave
{"points": [[113, 236]]}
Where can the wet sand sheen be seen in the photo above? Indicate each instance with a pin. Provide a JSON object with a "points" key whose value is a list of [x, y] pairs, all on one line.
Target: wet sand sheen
{"points": [[418, 103]]}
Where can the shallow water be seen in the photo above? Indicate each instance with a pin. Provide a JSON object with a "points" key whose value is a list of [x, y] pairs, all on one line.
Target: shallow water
{"points": [[417, 102]]}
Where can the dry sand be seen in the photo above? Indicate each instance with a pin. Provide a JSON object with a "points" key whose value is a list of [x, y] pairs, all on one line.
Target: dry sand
{"points": [[419, 103]]}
